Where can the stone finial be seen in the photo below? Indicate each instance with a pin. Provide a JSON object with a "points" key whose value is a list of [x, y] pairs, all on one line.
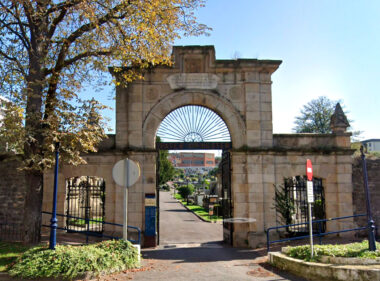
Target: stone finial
{"points": [[339, 122]]}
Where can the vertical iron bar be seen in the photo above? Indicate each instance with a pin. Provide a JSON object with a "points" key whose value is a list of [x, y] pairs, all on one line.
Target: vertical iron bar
{"points": [[53, 226], [371, 223], [103, 199], [87, 208], [68, 204]]}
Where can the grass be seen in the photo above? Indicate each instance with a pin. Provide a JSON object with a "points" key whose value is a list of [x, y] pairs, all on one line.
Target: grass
{"points": [[82, 222], [355, 250], [9, 252], [200, 211], [72, 261]]}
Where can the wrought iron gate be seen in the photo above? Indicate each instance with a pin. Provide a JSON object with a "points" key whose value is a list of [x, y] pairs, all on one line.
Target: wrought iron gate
{"points": [[227, 198], [295, 188], [85, 204], [158, 197]]}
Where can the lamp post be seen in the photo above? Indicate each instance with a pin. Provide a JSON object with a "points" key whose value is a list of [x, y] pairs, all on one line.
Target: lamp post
{"points": [[54, 225], [371, 223]]}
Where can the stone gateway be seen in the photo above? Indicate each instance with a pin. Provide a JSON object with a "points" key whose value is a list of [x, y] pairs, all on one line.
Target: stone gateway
{"points": [[239, 91]]}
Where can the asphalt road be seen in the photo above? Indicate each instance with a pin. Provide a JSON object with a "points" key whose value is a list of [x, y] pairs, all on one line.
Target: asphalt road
{"points": [[179, 226], [192, 250]]}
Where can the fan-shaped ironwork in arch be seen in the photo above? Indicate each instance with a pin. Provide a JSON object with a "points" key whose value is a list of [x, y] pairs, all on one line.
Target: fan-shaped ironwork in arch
{"points": [[193, 123]]}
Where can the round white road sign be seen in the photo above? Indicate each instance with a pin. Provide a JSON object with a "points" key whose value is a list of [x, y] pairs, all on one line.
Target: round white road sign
{"points": [[126, 172]]}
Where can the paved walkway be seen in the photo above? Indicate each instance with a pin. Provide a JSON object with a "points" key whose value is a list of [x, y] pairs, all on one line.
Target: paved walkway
{"points": [[179, 226], [192, 250]]}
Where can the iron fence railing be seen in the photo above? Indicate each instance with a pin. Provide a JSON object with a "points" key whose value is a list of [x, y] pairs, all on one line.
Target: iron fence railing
{"points": [[295, 189], [317, 229], [86, 199], [11, 231], [88, 231]]}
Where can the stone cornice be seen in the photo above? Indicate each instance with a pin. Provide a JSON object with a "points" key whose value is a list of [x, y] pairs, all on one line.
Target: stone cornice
{"points": [[323, 150]]}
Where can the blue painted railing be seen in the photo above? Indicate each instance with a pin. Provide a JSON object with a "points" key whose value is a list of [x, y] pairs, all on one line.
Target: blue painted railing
{"points": [[318, 232], [96, 234]]}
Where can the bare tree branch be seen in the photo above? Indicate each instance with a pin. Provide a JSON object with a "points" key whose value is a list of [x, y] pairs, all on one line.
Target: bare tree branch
{"points": [[20, 68], [63, 6]]}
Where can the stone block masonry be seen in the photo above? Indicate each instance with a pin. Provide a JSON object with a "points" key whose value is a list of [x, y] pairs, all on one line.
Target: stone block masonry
{"points": [[12, 198], [240, 92], [358, 195]]}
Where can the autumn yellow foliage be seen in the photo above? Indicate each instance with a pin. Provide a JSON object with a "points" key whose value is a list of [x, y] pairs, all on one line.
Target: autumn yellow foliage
{"points": [[50, 50]]}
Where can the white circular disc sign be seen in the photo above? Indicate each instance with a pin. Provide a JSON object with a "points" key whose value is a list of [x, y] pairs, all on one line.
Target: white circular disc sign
{"points": [[126, 172]]}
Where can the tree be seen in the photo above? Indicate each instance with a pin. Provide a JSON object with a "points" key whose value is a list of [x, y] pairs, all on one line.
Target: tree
{"points": [[50, 49], [186, 190], [213, 172], [283, 205], [166, 171], [315, 116]]}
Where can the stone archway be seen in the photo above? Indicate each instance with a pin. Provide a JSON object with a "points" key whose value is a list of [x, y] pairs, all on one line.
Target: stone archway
{"points": [[213, 101], [239, 91]]}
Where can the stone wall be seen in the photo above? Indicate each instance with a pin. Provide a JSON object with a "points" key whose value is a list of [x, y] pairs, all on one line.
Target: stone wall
{"points": [[12, 198], [373, 169], [100, 165], [239, 91]]}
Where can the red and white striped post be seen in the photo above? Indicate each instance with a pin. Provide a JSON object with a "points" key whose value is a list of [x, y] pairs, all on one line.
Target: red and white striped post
{"points": [[310, 199]]}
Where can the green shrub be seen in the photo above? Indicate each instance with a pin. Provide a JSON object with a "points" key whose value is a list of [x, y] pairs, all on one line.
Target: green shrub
{"points": [[357, 250], [186, 190], [165, 187], [283, 205], [72, 261]]}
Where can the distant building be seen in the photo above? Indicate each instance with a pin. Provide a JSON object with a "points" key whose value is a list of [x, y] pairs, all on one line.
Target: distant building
{"points": [[192, 160], [372, 145]]}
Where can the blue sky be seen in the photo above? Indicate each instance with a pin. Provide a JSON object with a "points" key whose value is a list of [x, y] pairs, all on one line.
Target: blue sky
{"points": [[328, 47]]}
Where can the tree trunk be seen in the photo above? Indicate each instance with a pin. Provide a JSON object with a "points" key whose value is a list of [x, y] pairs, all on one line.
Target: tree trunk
{"points": [[33, 207]]}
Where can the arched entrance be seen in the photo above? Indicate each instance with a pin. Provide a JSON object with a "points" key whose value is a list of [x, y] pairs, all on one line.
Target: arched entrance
{"points": [[190, 128], [237, 91], [220, 106]]}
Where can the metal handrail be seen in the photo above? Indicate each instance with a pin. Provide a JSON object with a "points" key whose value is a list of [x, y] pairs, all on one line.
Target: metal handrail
{"points": [[91, 233], [319, 234]]}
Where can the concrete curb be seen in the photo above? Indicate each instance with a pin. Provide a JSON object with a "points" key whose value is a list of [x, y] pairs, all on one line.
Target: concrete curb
{"points": [[324, 271]]}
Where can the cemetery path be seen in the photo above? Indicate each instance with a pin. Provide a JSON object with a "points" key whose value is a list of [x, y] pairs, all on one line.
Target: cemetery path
{"points": [[191, 249], [180, 226]]}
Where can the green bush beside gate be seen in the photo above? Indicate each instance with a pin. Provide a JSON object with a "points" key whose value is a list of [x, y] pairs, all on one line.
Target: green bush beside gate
{"points": [[72, 261]]}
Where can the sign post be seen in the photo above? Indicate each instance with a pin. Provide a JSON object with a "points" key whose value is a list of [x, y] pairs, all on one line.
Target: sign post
{"points": [[125, 173], [310, 199]]}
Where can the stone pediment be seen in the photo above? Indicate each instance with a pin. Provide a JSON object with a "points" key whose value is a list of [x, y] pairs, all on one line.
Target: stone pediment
{"points": [[193, 81]]}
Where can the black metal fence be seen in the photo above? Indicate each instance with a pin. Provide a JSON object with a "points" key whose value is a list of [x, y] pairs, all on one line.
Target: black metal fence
{"points": [[295, 188], [89, 233], [11, 231], [227, 204], [85, 204], [316, 226]]}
